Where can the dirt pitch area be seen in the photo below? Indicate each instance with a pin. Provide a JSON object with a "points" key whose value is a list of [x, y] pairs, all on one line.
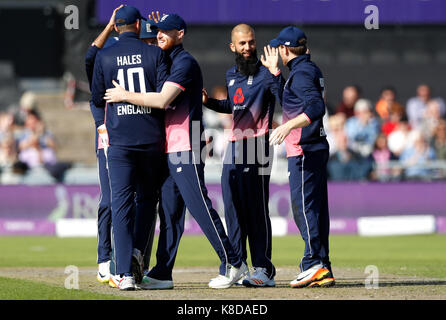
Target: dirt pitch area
{"points": [[191, 284]]}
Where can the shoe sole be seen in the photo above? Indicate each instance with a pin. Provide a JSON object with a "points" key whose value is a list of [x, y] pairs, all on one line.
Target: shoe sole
{"points": [[319, 275], [157, 288], [324, 283], [128, 289], [102, 280], [258, 283]]}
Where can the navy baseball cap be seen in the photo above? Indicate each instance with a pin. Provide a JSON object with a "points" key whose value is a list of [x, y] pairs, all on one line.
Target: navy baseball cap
{"points": [[289, 37], [170, 22], [127, 15], [148, 30]]}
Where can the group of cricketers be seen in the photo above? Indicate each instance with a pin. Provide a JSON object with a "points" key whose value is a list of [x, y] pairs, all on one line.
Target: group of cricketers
{"points": [[147, 99]]}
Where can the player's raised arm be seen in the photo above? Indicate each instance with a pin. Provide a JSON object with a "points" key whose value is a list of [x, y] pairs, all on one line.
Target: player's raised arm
{"points": [[222, 106], [160, 100], [103, 36]]}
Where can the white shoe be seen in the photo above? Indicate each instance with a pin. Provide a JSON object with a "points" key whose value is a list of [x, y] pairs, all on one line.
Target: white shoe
{"points": [[240, 282], [137, 265], [307, 277], [234, 275], [127, 283], [259, 278], [114, 281], [104, 275], [154, 284]]}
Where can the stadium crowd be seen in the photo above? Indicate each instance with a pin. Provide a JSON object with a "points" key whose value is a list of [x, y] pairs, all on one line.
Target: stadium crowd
{"points": [[385, 141], [26, 145]]}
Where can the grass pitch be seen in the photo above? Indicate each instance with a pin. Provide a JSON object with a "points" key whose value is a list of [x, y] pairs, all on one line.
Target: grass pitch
{"points": [[421, 256]]}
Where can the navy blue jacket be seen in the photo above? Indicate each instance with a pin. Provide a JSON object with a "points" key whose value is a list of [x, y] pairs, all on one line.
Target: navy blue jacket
{"points": [[184, 125], [90, 57], [251, 100], [139, 68], [304, 93]]}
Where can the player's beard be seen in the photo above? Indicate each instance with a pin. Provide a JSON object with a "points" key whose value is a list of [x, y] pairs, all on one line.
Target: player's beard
{"points": [[247, 66]]}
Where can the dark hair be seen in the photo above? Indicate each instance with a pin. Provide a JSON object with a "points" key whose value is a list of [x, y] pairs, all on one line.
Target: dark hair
{"points": [[300, 50], [356, 87], [35, 113], [390, 88]]}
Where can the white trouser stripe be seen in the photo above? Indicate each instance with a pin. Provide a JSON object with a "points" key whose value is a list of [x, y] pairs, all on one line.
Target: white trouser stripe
{"points": [[303, 206], [99, 203], [111, 199], [204, 201], [264, 209]]}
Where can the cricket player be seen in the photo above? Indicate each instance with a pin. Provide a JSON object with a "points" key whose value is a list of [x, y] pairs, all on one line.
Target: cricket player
{"points": [[307, 152], [104, 209], [252, 88], [181, 98], [148, 35], [136, 137]]}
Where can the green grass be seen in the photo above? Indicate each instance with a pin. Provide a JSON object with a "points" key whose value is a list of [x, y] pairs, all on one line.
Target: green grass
{"points": [[15, 289], [421, 255]]}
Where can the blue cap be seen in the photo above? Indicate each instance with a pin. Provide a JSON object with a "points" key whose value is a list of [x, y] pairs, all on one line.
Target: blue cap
{"points": [[289, 37], [148, 30], [170, 22], [127, 15], [111, 41]]}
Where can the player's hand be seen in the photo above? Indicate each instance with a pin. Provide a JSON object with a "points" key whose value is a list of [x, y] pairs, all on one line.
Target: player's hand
{"points": [[205, 96], [116, 94], [271, 59], [155, 17], [112, 19], [279, 134], [103, 136]]}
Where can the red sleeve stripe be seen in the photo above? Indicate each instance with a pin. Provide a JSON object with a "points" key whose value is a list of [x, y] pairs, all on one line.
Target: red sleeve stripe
{"points": [[277, 73], [309, 120], [175, 84]]}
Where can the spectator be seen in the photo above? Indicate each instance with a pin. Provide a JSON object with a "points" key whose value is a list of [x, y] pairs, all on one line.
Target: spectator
{"points": [[362, 129], [387, 104], [346, 164], [334, 127], [37, 147], [34, 154], [400, 138], [8, 151], [396, 115], [431, 119], [34, 128], [28, 102], [439, 142], [382, 157], [416, 106], [6, 125], [414, 158], [350, 96]]}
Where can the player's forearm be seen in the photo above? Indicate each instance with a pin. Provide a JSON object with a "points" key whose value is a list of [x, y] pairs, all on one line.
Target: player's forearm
{"points": [[159, 100], [103, 36], [300, 121], [221, 106]]}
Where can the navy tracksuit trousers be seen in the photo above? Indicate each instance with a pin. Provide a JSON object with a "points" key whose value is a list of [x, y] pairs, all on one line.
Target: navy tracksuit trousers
{"points": [[104, 210], [184, 187], [245, 187], [309, 200], [137, 169]]}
